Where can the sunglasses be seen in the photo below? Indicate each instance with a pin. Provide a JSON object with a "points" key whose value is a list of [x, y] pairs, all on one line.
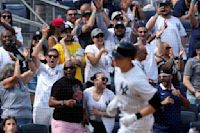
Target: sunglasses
{"points": [[71, 14], [142, 31], [99, 35], [167, 48], [6, 16], [54, 56], [71, 67], [118, 18], [119, 27], [104, 79]]}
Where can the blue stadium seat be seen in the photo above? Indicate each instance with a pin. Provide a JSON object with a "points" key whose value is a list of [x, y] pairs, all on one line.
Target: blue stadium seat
{"points": [[186, 118], [193, 108], [196, 125], [34, 128]]}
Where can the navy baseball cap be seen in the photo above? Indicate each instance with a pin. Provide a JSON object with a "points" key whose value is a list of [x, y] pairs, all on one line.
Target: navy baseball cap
{"points": [[119, 23], [166, 71], [37, 35], [125, 49]]}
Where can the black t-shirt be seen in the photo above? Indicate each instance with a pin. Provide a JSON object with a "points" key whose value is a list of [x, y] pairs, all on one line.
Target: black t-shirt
{"points": [[65, 89]]}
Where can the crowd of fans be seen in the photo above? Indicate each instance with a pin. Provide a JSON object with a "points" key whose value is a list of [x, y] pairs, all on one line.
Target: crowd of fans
{"points": [[69, 77]]}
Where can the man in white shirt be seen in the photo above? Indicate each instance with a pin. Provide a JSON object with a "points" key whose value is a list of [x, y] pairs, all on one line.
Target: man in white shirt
{"points": [[150, 65], [6, 41], [135, 97], [47, 75], [175, 33]]}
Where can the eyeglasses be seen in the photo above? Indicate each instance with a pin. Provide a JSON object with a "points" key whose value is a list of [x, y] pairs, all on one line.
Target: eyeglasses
{"points": [[142, 31], [71, 67], [118, 18], [119, 27], [6, 16], [104, 79], [54, 56], [167, 48], [99, 35], [71, 14]]}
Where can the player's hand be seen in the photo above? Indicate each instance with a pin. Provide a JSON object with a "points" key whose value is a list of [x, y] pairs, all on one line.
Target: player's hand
{"points": [[167, 101], [128, 119]]}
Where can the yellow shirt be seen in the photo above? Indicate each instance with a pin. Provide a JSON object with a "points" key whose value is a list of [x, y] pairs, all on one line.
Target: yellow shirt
{"points": [[72, 48]]}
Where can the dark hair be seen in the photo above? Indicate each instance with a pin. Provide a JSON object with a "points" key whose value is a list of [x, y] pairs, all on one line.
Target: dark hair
{"points": [[8, 118], [3, 123], [139, 24], [7, 12], [51, 31], [71, 8], [95, 76], [198, 45]]}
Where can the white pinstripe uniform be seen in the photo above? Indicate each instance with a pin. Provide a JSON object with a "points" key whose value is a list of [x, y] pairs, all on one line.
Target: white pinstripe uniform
{"points": [[133, 92]]}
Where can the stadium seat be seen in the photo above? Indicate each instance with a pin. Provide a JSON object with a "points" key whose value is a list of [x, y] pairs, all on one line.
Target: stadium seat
{"points": [[34, 128], [196, 125], [193, 108], [186, 118]]}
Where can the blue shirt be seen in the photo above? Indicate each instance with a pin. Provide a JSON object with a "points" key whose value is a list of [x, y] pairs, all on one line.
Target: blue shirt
{"points": [[180, 8], [168, 115]]}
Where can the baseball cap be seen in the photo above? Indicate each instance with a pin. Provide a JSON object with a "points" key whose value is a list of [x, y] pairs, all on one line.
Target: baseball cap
{"points": [[57, 22], [66, 28], [119, 23], [167, 2], [166, 71], [198, 45], [115, 14], [37, 35], [95, 32], [125, 49]]}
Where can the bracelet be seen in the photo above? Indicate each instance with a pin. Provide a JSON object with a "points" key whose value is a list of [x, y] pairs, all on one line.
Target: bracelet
{"points": [[62, 103], [138, 115], [94, 12]]}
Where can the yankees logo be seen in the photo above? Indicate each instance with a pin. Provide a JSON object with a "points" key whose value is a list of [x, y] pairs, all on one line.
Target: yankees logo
{"points": [[123, 88]]}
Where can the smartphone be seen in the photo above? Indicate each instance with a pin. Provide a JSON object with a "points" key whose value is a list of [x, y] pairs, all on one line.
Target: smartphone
{"points": [[162, 4]]}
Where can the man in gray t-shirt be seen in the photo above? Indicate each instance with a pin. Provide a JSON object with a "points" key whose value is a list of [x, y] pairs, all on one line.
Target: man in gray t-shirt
{"points": [[191, 77]]}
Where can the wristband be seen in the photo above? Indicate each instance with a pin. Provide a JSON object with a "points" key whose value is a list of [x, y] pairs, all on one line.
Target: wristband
{"points": [[193, 1], [94, 12], [138, 115], [62, 103]]}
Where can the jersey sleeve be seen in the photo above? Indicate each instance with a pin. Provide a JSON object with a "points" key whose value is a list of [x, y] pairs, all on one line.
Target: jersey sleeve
{"points": [[145, 90]]}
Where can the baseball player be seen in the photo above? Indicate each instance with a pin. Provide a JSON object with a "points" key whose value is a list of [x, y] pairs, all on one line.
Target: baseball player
{"points": [[135, 97]]}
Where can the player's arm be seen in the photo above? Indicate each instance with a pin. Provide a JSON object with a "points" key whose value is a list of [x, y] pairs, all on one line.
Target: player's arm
{"points": [[154, 104]]}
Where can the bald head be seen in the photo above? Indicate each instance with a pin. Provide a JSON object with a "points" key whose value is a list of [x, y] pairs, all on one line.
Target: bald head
{"points": [[6, 38], [141, 53], [85, 7]]}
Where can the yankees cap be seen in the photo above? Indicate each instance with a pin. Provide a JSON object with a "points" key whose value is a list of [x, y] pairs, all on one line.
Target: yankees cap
{"points": [[125, 49]]}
